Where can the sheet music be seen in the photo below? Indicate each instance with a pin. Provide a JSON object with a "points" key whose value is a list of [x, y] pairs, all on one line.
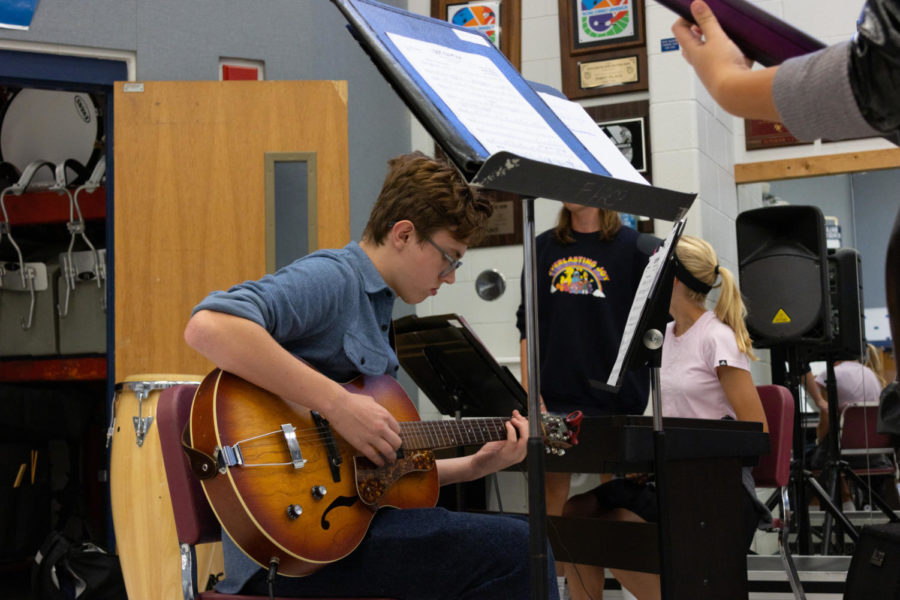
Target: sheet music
{"points": [[486, 103], [592, 137], [648, 282]]}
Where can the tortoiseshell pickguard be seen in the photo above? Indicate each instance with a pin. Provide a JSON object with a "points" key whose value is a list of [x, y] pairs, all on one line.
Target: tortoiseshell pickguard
{"points": [[373, 481]]}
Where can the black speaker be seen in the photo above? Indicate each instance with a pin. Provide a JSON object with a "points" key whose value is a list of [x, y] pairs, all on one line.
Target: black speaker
{"points": [[875, 567], [784, 277], [845, 293]]}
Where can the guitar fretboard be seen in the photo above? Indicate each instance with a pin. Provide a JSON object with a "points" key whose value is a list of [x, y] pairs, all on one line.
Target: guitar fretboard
{"points": [[433, 435]]}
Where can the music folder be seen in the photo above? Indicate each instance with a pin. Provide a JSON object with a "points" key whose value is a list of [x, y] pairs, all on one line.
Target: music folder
{"points": [[759, 34], [499, 131], [452, 367]]}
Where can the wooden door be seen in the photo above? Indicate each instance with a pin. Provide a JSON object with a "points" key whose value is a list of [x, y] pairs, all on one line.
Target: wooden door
{"points": [[190, 211]]}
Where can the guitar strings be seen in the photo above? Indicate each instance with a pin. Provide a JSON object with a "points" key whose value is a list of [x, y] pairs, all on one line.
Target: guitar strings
{"points": [[434, 433], [422, 428], [440, 436]]}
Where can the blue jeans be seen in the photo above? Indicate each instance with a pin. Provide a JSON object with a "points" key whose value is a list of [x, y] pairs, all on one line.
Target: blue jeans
{"points": [[424, 554]]}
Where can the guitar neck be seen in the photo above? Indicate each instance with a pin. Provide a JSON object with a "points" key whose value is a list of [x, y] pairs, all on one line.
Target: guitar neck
{"points": [[434, 435]]}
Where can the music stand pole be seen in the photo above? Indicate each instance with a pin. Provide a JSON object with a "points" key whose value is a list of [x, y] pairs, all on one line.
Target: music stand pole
{"points": [[537, 504], [435, 358], [653, 340]]}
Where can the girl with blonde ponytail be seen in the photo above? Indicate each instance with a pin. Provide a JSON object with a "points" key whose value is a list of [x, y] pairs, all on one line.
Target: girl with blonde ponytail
{"points": [[705, 371], [700, 260], [704, 374]]}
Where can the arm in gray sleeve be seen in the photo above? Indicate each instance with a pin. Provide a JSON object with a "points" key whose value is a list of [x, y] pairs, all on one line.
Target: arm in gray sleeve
{"points": [[814, 97]]}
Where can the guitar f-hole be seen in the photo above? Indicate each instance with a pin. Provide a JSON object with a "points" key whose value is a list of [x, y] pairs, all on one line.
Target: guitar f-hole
{"points": [[346, 501]]}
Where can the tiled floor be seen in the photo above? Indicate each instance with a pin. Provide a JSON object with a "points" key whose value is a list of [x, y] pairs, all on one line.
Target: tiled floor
{"points": [[822, 577], [767, 581]]}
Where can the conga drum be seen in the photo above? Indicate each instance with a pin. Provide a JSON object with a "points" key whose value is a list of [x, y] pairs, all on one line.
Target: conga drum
{"points": [[142, 512]]}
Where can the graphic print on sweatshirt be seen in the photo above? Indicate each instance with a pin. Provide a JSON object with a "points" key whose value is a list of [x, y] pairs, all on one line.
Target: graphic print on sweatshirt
{"points": [[578, 275]]}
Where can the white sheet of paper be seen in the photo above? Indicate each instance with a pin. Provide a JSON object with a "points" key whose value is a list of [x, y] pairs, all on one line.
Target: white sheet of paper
{"points": [[486, 103], [649, 278], [470, 37], [588, 133]]}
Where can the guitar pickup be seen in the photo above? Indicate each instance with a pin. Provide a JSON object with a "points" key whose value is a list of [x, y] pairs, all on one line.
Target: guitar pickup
{"points": [[334, 456]]}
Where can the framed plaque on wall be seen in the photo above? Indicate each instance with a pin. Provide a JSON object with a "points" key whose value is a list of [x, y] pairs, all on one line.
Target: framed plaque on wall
{"points": [[602, 47], [499, 20], [628, 126], [504, 228], [759, 134]]}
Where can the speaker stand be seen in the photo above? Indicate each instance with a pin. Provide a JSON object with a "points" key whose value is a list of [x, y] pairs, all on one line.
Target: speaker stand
{"points": [[801, 477]]}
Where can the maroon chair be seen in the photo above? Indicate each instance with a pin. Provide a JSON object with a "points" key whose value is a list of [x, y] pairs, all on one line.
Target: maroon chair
{"points": [[195, 522], [870, 454], [859, 436], [774, 469]]}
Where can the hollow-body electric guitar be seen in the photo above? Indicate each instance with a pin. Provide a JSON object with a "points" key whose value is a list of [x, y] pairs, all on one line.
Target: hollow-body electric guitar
{"points": [[284, 485]]}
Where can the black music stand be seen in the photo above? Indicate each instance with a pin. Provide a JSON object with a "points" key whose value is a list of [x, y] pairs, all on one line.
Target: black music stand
{"points": [[459, 375], [642, 345], [449, 363], [503, 135]]}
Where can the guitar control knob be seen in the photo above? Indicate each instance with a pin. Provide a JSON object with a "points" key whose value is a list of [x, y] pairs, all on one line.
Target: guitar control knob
{"points": [[294, 511], [318, 491]]}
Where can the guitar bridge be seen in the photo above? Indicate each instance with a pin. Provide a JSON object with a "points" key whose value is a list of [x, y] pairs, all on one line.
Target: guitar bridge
{"points": [[231, 456]]}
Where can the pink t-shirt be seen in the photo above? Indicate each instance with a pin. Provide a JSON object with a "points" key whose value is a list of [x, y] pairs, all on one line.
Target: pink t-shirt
{"points": [[689, 386], [855, 383]]}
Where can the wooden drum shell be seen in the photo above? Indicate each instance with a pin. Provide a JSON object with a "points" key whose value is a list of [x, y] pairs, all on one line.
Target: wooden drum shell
{"points": [[144, 521]]}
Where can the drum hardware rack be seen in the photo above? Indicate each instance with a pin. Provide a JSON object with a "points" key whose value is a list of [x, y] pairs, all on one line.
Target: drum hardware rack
{"points": [[28, 203]]}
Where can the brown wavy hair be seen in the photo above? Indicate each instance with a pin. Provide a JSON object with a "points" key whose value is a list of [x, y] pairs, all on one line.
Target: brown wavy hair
{"points": [[610, 224], [432, 194]]}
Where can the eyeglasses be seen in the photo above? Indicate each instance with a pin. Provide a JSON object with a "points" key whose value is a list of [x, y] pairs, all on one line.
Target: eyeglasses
{"points": [[454, 264]]}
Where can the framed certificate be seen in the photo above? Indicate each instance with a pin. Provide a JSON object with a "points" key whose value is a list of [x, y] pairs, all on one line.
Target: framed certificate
{"points": [[606, 24], [499, 20], [628, 126], [602, 47], [759, 134], [504, 228]]}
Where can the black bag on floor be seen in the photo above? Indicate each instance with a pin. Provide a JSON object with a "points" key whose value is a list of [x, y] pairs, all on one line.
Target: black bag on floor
{"points": [[875, 568], [67, 570]]}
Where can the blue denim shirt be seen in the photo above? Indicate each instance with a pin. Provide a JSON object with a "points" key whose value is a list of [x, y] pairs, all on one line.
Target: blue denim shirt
{"points": [[331, 308]]}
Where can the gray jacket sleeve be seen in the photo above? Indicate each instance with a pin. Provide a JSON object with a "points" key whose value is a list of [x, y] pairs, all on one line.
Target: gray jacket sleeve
{"points": [[814, 97]]}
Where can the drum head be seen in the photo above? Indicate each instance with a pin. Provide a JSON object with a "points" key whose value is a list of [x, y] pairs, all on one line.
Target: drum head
{"points": [[149, 382], [49, 125]]}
